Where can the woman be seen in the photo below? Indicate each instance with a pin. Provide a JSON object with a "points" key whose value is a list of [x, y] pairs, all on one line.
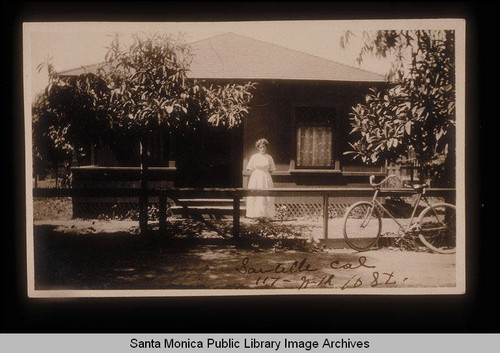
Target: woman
{"points": [[261, 165]]}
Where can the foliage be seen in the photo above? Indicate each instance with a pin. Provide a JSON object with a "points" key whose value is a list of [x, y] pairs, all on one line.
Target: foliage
{"points": [[118, 213], [52, 208], [68, 119], [49, 145], [147, 82], [283, 213], [228, 104], [140, 90], [150, 89], [418, 112], [279, 237]]}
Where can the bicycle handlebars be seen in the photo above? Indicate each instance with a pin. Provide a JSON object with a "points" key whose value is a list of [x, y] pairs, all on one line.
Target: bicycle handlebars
{"points": [[417, 187], [375, 185]]}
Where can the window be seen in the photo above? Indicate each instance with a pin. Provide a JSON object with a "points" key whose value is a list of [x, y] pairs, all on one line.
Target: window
{"points": [[315, 136]]}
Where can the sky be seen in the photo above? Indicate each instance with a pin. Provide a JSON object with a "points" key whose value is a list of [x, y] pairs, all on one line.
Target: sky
{"points": [[71, 45]]}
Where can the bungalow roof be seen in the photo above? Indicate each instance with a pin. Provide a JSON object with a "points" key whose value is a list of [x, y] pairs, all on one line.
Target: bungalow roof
{"points": [[233, 56]]}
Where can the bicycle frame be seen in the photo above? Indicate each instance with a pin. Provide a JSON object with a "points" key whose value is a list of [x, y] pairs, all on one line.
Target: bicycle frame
{"points": [[437, 235], [411, 224]]}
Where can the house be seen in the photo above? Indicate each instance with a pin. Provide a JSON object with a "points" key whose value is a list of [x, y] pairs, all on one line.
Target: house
{"points": [[301, 106]]}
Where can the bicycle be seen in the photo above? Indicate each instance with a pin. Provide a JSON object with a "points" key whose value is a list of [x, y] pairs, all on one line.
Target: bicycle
{"points": [[436, 224]]}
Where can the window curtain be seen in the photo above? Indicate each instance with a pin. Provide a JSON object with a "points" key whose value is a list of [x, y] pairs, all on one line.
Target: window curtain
{"points": [[314, 146]]}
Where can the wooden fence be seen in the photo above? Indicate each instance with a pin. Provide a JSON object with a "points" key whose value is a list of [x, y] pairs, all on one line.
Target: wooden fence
{"points": [[236, 194]]}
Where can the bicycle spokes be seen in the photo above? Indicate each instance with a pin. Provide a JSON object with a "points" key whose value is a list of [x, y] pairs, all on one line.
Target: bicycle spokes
{"points": [[362, 225], [438, 227]]}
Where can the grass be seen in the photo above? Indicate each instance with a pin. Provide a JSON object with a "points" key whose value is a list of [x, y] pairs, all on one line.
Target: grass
{"points": [[53, 208]]}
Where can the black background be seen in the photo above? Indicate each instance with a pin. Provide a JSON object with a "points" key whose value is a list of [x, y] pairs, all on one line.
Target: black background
{"points": [[476, 311]]}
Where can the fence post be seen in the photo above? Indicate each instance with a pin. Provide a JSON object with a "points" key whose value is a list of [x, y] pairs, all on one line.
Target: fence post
{"points": [[163, 212], [143, 198], [236, 216], [325, 216]]}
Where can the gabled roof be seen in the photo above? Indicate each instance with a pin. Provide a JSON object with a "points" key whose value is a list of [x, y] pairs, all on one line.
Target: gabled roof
{"points": [[232, 56]]}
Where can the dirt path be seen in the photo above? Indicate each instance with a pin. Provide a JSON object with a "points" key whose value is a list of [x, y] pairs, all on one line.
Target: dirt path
{"points": [[123, 260]]}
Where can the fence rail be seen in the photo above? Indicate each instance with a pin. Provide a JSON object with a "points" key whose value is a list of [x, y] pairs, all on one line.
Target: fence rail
{"points": [[236, 194]]}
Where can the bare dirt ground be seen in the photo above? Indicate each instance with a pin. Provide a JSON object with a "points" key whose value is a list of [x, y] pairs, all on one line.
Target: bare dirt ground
{"points": [[83, 255], [108, 254]]}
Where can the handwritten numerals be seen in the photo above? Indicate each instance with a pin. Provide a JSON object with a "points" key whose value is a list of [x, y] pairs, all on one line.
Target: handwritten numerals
{"points": [[267, 280], [351, 283], [377, 281], [303, 275]]}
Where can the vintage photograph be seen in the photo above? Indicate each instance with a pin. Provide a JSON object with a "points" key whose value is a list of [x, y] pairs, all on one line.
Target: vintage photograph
{"points": [[245, 158]]}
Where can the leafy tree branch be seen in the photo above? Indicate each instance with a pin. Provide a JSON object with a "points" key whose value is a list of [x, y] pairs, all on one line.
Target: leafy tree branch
{"points": [[417, 113]]}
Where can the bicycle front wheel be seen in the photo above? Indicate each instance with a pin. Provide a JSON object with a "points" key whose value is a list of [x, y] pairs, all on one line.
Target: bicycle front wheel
{"points": [[438, 227], [362, 225]]}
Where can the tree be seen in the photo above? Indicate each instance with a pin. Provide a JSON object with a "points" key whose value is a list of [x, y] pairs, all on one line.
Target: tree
{"points": [[68, 120], [150, 89], [417, 113], [143, 88]]}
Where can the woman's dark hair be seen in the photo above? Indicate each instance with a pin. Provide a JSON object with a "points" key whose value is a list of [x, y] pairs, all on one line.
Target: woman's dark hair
{"points": [[261, 142]]}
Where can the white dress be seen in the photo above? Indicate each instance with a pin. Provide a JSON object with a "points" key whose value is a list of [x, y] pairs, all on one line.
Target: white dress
{"points": [[260, 206]]}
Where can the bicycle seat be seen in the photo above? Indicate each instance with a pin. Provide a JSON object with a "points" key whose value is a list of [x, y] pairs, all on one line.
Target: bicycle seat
{"points": [[416, 187]]}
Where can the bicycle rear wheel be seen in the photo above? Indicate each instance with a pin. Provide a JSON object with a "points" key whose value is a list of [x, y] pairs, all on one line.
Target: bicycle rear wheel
{"points": [[438, 227], [362, 225]]}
